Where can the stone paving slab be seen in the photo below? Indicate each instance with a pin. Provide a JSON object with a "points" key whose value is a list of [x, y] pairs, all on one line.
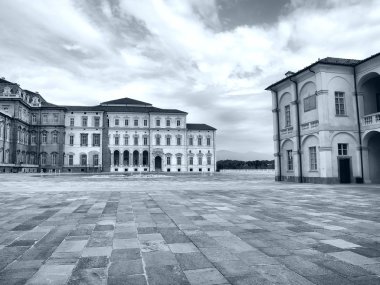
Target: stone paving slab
{"points": [[220, 229]]}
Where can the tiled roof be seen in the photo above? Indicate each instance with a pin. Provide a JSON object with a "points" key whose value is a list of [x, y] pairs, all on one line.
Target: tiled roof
{"points": [[199, 127], [127, 109], [84, 108], [327, 60], [125, 101]]}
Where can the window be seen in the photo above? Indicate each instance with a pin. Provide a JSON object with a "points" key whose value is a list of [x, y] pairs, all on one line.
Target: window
{"points": [[43, 158], [339, 104], [83, 159], [200, 160], [116, 122], [96, 139], [179, 160], [33, 138], [44, 138], [54, 138], [44, 118], [145, 141], [310, 103], [168, 160], [199, 141], [116, 140], [191, 141], [56, 118], [145, 123], [136, 123], [126, 140], [34, 119], [158, 122], [289, 156], [84, 121], [209, 160], [208, 141], [126, 122], [136, 141], [97, 122], [191, 160], [313, 158], [54, 158], [287, 116], [178, 123], [158, 140], [71, 140], [95, 159], [342, 149], [178, 141], [167, 140], [71, 159], [168, 123], [72, 122], [83, 139]]}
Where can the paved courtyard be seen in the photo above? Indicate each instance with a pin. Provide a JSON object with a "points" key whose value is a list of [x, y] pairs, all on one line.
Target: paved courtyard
{"points": [[220, 229]]}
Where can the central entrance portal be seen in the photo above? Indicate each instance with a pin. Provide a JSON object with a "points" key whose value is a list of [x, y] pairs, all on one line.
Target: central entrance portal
{"points": [[344, 170], [158, 163]]}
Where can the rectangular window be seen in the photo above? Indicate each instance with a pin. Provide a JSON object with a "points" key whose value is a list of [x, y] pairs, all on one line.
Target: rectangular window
{"points": [[289, 155], [145, 123], [71, 122], [43, 159], [208, 141], [178, 141], [191, 141], [44, 138], [340, 109], [44, 118], [342, 149], [191, 160], [209, 160], [54, 138], [136, 141], [168, 160], [310, 103], [96, 139], [136, 123], [97, 122], [83, 159], [158, 122], [117, 122], [178, 123], [84, 121], [126, 122], [168, 123], [54, 157], [71, 140], [71, 159], [199, 141], [287, 116], [145, 141], [95, 159], [313, 158], [56, 118], [168, 141], [179, 160], [158, 141], [34, 119], [33, 139], [117, 140], [200, 160], [83, 139], [126, 140]]}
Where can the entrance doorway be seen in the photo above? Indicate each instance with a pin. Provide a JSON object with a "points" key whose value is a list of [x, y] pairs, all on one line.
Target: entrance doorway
{"points": [[158, 163], [344, 166]]}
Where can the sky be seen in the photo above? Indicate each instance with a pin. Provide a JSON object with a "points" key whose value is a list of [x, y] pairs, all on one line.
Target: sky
{"points": [[210, 58]]}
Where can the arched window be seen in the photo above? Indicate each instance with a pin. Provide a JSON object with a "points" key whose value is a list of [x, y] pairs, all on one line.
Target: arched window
{"points": [[54, 137], [136, 161], [126, 157], [116, 157], [43, 158], [54, 158], [145, 158], [44, 137]]}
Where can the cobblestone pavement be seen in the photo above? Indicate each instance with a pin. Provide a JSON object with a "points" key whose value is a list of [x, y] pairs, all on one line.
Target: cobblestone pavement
{"points": [[223, 229]]}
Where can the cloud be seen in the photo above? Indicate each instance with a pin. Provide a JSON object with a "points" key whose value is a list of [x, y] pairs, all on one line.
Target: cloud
{"points": [[208, 58]]}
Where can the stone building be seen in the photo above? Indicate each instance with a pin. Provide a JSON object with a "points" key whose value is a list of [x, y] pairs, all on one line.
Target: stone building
{"points": [[327, 122], [123, 135]]}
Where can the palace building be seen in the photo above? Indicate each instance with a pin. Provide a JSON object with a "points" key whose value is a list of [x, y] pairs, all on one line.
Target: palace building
{"points": [[327, 122], [123, 135]]}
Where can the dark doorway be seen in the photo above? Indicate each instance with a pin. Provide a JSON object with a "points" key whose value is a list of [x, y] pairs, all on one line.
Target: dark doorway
{"points": [[116, 157], [145, 158], [158, 163], [378, 101], [136, 161], [344, 170], [126, 158]]}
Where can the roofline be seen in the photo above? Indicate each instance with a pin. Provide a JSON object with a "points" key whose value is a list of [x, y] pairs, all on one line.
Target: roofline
{"points": [[324, 63]]}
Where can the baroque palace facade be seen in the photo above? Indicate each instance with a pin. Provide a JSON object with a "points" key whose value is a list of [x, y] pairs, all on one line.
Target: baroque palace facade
{"points": [[123, 135], [327, 122]]}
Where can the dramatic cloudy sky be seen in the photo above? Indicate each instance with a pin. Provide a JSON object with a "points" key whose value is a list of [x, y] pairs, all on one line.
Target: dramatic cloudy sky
{"points": [[211, 58]]}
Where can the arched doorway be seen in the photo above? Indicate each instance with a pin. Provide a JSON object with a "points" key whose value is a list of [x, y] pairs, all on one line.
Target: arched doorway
{"points": [[373, 146], [116, 157], [158, 163], [136, 158], [126, 157], [145, 158]]}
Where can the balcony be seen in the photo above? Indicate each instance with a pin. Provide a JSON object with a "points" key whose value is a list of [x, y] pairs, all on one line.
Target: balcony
{"points": [[287, 130], [310, 125], [371, 120]]}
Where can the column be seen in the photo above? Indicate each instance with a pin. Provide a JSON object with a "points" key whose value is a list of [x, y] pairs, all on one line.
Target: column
{"points": [[367, 178]]}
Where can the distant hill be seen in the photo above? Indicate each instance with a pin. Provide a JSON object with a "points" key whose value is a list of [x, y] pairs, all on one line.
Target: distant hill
{"points": [[248, 156]]}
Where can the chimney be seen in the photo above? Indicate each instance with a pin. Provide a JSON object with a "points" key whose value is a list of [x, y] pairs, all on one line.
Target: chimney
{"points": [[289, 73]]}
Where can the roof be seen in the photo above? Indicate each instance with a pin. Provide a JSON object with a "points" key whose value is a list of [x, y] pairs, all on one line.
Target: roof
{"points": [[83, 108], [127, 109], [329, 61], [200, 127], [125, 101]]}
